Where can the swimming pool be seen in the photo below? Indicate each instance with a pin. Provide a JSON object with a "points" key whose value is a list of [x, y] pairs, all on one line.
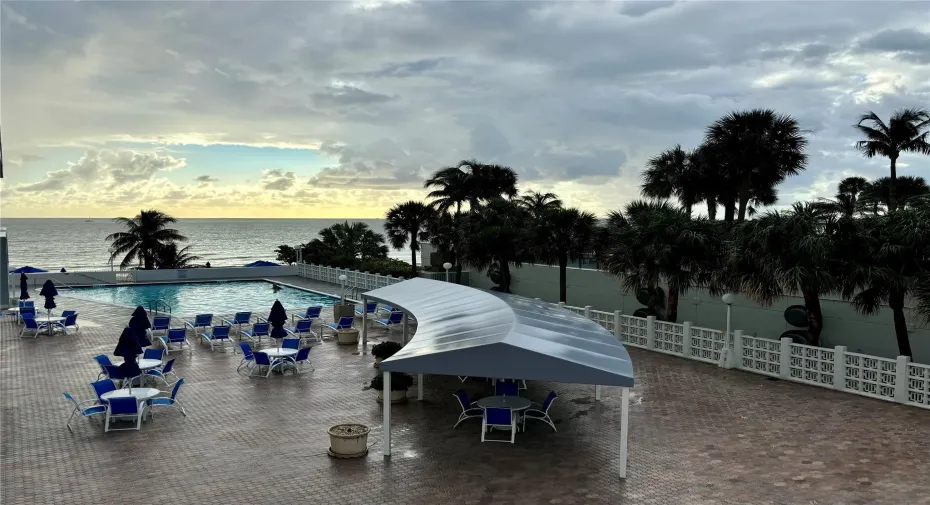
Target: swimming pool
{"points": [[223, 297]]}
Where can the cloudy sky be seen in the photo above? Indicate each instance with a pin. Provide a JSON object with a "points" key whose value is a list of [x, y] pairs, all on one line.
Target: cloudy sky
{"points": [[313, 109]]}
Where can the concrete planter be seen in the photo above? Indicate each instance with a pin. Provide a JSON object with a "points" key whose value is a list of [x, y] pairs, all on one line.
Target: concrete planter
{"points": [[348, 440], [347, 337], [396, 396], [378, 362], [343, 310]]}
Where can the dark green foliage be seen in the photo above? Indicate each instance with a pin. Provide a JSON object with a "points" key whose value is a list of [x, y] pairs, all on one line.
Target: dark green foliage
{"points": [[385, 350], [399, 382]]}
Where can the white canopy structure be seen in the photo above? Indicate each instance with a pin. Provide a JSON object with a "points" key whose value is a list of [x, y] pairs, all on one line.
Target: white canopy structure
{"points": [[469, 332]]}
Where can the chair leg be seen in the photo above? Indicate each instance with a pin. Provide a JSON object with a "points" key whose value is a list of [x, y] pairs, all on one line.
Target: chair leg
{"points": [[69, 420]]}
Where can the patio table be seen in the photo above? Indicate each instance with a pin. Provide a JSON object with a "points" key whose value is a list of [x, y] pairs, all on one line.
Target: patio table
{"points": [[140, 394], [279, 352], [49, 321], [514, 403]]}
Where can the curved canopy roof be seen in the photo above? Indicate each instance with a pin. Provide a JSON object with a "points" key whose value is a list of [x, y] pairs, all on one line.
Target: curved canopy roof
{"points": [[469, 332]]}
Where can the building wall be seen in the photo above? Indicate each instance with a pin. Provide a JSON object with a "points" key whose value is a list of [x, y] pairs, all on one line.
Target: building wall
{"points": [[218, 273], [842, 325], [6, 291]]}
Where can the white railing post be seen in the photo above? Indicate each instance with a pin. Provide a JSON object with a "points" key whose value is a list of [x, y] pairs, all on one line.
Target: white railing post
{"points": [[839, 367], [561, 304], [587, 312], [900, 379], [686, 340], [784, 359], [617, 332], [650, 332], [736, 358]]}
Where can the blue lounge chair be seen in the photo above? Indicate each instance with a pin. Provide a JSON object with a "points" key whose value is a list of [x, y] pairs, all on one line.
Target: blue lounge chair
{"points": [[176, 340], [200, 321], [103, 387], [469, 410], [172, 401], [124, 408], [386, 309], [302, 330], [26, 311], [158, 354], [239, 319], [300, 358], [396, 318], [161, 323], [218, 334], [163, 373], [69, 322], [499, 418], [66, 313], [103, 360], [247, 357], [258, 331], [30, 323], [541, 413], [262, 360], [86, 408], [506, 388], [312, 313], [370, 308], [291, 343], [344, 323]]}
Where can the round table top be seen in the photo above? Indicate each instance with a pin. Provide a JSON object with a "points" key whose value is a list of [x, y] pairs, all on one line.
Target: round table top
{"points": [[137, 393], [49, 319], [13, 309], [279, 352], [146, 364], [504, 402]]}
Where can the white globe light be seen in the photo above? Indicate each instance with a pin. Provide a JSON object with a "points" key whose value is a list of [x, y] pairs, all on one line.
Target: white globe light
{"points": [[447, 265], [729, 298], [343, 278]]}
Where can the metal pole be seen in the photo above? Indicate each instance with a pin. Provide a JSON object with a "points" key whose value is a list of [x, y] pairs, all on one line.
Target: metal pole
{"points": [[420, 387], [624, 430], [386, 428], [364, 328], [406, 328]]}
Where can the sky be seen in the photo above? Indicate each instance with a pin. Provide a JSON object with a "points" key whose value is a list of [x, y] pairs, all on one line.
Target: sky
{"points": [[342, 109]]}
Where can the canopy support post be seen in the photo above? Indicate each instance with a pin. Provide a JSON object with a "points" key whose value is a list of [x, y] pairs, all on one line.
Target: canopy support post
{"points": [[406, 328], [386, 424], [597, 393], [364, 326], [624, 429], [420, 387]]}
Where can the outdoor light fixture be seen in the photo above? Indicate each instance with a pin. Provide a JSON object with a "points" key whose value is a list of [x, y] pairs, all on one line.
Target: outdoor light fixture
{"points": [[447, 266]]}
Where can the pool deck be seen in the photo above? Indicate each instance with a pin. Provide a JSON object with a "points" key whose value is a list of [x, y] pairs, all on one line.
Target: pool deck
{"points": [[699, 435]]}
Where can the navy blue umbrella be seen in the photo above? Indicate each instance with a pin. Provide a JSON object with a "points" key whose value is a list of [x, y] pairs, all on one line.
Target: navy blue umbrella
{"points": [[139, 323], [262, 263], [27, 270], [49, 292], [128, 348], [277, 317], [23, 287]]}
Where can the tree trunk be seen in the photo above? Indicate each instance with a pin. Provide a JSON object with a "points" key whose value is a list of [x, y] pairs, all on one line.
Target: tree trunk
{"points": [[148, 262], [671, 314], [814, 316], [505, 276], [892, 180], [563, 268], [712, 208], [729, 209], [743, 201], [413, 255], [896, 303], [688, 209]]}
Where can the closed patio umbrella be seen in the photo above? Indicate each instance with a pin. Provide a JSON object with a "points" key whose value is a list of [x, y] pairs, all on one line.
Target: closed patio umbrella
{"points": [[140, 323], [128, 348], [23, 287], [277, 317], [49, 292]]}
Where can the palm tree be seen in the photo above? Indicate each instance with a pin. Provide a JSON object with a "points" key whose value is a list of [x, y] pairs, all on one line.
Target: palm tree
{"points": [[145, 235], [489, 182], [538, 204], [406, 223], [286, 253], [453, 188], [907, 131], [355, 241], [655, 241], [756, 150], [876, 196], [781, 253], [497, 238], [670, 173], [561, 235], [170, 257], [447, 234], [886, 257]]}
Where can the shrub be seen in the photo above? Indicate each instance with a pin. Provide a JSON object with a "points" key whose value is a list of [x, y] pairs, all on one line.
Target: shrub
{"points": [[385, 350], [399, 382]]}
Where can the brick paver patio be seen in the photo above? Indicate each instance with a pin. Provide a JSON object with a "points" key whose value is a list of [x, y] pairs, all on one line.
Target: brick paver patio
{"points": [[699, 435]]}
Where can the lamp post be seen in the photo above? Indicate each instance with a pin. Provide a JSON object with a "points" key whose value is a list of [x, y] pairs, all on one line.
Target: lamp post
{"points": [[728, 299], [342, 280], [447, 266]]}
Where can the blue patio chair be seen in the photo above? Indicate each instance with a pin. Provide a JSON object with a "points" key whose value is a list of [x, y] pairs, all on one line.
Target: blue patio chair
{"points": [[506, 388], [291, 343], [172, 401], [344, 323], [124, 408], [302, 356], [69, 322], [200, 321], [239, 319], [247, 357], [26, 303], [163, 373], [302, 331], [29, 323], [370, 308], [258, 331], [499, 418], [469, 410], [161, 323], [158, 354], [86, 408], [395, 318], [66, 313], [177, 337], [113, 373], [385, 308], [262, 360], [103, 360], [103, 387], [219, 334], [312, 313], [541, 413]]}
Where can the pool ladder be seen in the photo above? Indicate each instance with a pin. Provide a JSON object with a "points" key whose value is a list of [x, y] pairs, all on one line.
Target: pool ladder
{"points": [[154, 305]]}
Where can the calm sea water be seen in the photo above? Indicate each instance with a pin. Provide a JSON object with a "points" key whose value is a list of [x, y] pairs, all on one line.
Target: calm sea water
{"points": [[78, 245]]}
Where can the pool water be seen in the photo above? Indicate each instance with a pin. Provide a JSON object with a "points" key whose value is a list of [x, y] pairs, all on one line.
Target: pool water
{"points": [[191, 298]]}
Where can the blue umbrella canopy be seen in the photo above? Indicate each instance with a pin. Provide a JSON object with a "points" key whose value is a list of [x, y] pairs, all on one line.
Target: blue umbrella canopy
{"points": [[49, 292], [277, 317], [27, 270], [128, 346], [23, 287], [262, 263], [139, 323]]}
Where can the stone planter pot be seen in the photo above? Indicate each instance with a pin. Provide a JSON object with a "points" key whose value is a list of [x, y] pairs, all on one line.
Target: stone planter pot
{"points": [[348, 440], [343, 310], [396, 396], [378, 362], [347, 337]]}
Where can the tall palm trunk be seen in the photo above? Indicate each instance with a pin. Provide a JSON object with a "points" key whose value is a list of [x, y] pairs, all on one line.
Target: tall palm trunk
{"points": [[892, 194], [505, 276], [896, 303], [671, 314], [413, 254], [711, 207], [563, 283], [814, 315], [744, 191]]}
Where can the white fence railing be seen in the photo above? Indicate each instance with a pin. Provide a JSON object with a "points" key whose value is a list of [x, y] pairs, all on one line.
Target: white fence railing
{"points": [[354, 279], [897, 380], [441, 276]]}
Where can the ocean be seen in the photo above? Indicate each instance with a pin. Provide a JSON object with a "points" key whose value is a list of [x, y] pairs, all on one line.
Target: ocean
{"points": [[74, 244]]}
